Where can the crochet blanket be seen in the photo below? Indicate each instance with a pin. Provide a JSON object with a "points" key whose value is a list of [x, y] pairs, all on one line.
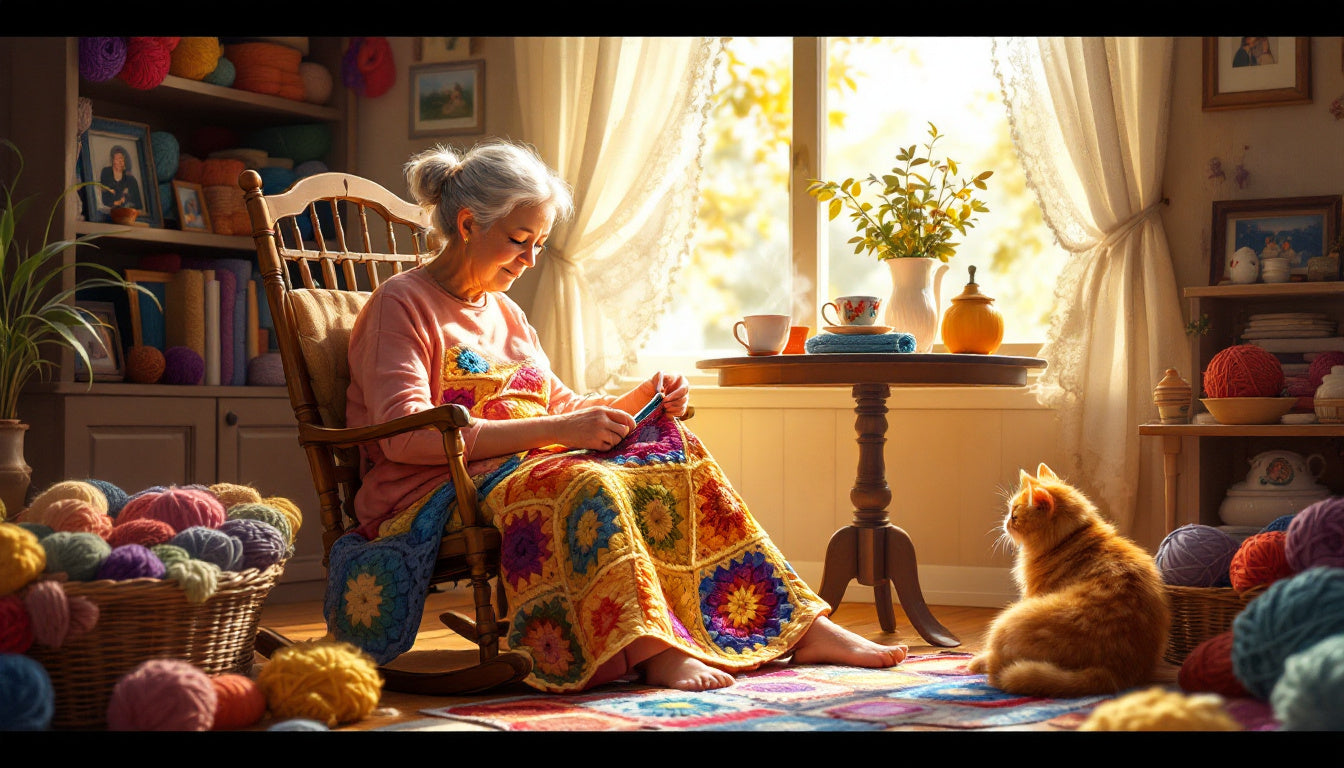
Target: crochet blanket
{"points": [[894, 341]]}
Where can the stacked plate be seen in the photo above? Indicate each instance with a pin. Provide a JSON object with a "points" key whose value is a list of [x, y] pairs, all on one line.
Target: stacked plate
{"points": [[1289, 325]]}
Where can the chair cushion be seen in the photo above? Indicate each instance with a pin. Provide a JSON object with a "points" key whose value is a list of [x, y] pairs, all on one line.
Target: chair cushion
{"points": [[323, 319]]}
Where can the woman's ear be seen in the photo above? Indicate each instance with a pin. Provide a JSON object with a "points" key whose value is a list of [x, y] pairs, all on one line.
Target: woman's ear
{"points": [[466, 223]]}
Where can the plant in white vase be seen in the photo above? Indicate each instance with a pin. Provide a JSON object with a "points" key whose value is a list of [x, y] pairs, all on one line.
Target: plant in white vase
{"points": [[918, 208]]}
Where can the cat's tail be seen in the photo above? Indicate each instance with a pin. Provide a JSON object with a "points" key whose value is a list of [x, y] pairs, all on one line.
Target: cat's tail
{"points": [[1042, 678]]}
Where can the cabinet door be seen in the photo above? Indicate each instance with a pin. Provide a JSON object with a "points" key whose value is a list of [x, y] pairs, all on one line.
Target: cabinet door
{"points": [[140, 442], [259, 446]]}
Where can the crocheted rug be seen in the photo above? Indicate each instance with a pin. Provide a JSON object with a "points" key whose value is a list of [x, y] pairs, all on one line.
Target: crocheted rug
{"points": [[926, 692]]}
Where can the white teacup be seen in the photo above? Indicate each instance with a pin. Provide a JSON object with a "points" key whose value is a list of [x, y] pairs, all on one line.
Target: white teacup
{"points": [[766, 334], [852, 310]]}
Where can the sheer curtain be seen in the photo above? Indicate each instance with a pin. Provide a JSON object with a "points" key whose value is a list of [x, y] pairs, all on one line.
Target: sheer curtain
{"points": [[1089, 120], [622, 119]]}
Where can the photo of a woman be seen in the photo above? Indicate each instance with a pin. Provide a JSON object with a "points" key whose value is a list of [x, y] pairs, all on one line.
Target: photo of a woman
{"points": [[116, 160], [122, 190]]}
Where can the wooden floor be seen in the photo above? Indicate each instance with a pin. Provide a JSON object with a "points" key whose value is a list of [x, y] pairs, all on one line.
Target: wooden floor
{"points": [[303, 621]]}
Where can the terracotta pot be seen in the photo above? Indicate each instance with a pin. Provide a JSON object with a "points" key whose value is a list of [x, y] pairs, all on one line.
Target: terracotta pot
{"points": [[15, 474]]}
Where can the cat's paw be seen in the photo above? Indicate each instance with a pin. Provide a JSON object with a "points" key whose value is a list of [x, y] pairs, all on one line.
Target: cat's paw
{"points": [[978, 663]]}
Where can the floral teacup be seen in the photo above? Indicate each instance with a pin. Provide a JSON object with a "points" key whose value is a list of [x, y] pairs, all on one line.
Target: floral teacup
{"points": [[853, 310]]}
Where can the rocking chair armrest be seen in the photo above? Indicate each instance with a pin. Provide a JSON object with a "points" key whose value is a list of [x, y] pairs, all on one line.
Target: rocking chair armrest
{"points": [[448, 417]]}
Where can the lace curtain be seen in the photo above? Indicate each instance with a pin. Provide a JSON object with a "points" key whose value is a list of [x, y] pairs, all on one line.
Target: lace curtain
{"points": [[622, 119], [1089, 120]]}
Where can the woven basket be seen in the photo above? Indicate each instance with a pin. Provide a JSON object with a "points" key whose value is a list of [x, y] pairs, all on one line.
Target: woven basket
{"points": [[143, 619], [1199, 613]]}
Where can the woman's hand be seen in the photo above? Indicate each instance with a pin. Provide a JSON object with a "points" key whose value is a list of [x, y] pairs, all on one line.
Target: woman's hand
{"points": [[674, 386], [597, 428]]}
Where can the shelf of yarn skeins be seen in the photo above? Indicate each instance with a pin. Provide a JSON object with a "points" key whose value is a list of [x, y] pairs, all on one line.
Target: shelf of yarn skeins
{"points": [[183, 94]]}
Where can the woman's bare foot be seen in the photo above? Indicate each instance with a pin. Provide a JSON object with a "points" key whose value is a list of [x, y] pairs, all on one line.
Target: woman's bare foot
{"points": [[826, 642], [672, 668]]}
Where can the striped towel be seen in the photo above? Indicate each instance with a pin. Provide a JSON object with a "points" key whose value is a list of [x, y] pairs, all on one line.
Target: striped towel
{"points": [[877, 342]]}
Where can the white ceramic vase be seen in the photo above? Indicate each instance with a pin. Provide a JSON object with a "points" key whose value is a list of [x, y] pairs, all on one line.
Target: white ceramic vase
{"points": [[916, 299]]}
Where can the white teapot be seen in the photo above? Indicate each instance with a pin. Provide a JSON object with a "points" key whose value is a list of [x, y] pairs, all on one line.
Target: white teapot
{"points": [[1285, 471]]}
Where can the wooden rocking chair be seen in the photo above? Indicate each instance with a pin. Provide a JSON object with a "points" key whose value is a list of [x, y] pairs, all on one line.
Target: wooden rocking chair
{"points": [[356, 234]]}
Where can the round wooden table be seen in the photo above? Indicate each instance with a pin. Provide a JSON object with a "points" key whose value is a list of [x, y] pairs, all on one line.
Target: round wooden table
{"points": [[871, 549]]}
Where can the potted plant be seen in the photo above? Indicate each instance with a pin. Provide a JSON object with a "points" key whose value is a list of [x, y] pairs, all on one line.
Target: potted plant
{"points": [[36, 316], [918, 208]]}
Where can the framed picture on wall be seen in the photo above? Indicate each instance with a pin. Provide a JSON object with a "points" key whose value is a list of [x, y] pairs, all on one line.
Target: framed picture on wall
{"points": [[435, 49], [448, 98], [103, 346], [1244, 72], [1296, 228], [116, 154], [192, 214]]}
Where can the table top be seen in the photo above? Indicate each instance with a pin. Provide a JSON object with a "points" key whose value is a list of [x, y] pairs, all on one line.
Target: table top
{"points": [[932, 369]]}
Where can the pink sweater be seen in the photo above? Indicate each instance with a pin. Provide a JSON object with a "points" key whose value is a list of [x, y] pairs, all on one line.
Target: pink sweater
{"points": [[397, 351]]}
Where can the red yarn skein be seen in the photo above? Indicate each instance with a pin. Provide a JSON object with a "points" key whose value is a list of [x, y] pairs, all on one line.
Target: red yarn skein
{"points": [[179, 507], [1208, 669], [1243, 370], [241, 702], [1321, 366], [16, 626], [1261, 560], [148, 60]]}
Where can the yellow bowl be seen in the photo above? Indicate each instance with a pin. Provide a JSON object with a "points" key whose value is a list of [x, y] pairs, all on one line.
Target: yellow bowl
{"points": [[1248, 410]]}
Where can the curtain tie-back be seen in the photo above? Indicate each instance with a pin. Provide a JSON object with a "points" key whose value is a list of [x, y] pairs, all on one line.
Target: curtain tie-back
{"points": [[1130, 223]]}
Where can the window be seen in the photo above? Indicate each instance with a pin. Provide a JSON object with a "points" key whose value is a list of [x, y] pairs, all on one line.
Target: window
{"points": [[881, 93]]}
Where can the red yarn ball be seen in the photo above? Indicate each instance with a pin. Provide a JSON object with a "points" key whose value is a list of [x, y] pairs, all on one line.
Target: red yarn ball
{"points": [[1243, 370], [148, 60], [1208, 669], [179, 507], [145, 364], [1261, 560], [1320, 367], [147, 532], [241, 702], [16, 627]]}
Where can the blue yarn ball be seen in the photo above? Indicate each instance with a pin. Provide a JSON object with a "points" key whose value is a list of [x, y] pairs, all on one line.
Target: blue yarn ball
{"points": [[1279, 523], [29, 701], [301, 142], [263, 543], [275, 179], [37, 529], [131, 561], [166, 153], [1309, 696], [299, 724], [210, 545], [116, 497], [78, 554], [1196, 555], [310, 168], [224, 74], [1293, 614], [182, 365]]}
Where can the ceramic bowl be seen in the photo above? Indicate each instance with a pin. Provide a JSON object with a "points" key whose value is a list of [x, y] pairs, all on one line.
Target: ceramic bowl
{"points": [[1248, 410], [1260, 508], [124, 215]]}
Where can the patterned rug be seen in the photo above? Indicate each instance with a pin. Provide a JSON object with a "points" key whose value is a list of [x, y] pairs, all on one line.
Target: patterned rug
{"points": [[929, 692]]}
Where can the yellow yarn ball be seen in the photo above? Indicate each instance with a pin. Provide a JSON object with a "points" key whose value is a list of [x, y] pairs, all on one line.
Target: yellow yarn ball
{"points": [[233, 493], [289, 509], [66, 489], [196, 57], [1157, 709], [330, 682], [22, 557]]}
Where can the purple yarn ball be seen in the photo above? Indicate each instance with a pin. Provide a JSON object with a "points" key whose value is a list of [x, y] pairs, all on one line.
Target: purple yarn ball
{"points": [[182, 365], [210, 545], [1316, 535], [101, 58], [1196, 556], [131, 561], [263, 543]]}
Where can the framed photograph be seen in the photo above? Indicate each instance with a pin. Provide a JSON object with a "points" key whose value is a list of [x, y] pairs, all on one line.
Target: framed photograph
{"points": [[1244, 72], [104, 347], [448, 98], [1297, 228], [434, 49], [192, 215], [117, 155]]}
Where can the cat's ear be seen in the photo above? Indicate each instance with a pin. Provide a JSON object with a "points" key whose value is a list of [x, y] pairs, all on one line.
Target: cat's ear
{"points": [[1045, 473], [1042, 499], [1024, 478]]}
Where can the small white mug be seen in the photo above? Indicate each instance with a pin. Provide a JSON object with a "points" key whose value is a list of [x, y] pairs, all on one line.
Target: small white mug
{"points": [[766, 334]]}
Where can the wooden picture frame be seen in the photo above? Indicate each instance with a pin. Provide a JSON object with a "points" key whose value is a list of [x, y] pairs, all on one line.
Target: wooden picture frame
{"points": [[447, 99], [192, 213], [430, 50], [1234, 79], [104, 347], [135, 298], [1311, 223], [101, 146]]}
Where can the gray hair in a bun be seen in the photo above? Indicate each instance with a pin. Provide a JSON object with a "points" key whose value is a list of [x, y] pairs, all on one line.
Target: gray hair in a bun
{"points": [[490, 180]]}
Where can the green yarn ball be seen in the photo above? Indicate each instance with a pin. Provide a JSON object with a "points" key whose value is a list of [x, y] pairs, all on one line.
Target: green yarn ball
{"points": [[1309, 696], [78, 554], [266, 514], [170, 554], [199, 579]]}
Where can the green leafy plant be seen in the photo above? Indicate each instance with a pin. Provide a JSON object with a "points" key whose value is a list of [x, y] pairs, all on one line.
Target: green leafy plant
{"points": [[35, 312], [921, 204], [1198, 326]]}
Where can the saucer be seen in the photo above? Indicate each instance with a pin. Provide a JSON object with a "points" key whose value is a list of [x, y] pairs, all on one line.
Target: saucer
{"points": [[858, 330]]}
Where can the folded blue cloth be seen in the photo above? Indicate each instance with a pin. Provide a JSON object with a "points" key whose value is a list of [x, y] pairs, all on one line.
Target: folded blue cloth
{"points": [[894, 341]]}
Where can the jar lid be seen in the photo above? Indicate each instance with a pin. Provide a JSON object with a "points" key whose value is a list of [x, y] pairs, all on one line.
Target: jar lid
{"points": [[972, 291]]}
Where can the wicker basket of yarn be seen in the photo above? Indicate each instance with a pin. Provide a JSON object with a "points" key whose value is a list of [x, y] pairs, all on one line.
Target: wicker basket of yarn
{"points": [[1199, 613], [1195, 562]]}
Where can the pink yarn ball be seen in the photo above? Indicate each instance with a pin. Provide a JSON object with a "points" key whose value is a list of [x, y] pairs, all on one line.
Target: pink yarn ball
{"points": [[1316, 535], [55, 615], [77, 515], [162, 695], [1320, 367], [148, 60], [16, 627], [146, 532], [179, 507], [101, 58]]}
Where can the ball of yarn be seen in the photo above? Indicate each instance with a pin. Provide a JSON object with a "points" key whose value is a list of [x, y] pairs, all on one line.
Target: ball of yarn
{"points": [[1316, 535], [165, 149], [77, 515], [223, 74], [189, 168], [1321, 365], [231, 494], [240, 702], [310, 168], [299, 724], [1259, 561], [1157, 709], [275, 179], [147, 62], [267, 369], [65, 489], [16, 625], [55, 615], [179, 506], [290, 510], [264, 513], [22, 557], [317, 82], [330, 682], [182, 365], [1208, 669], [198, 579], [1243, 370], [37, 529], [210, 138], [162, 695], [115, 496], [101, 58], [1195, 555], [77, 554], [263, 544], [211, 545], [1309, 696], [29, 702], [301, 142], [1293, 614], [1279, 523], [170, 554], [196, 57], [145, 364], [131, 561]]}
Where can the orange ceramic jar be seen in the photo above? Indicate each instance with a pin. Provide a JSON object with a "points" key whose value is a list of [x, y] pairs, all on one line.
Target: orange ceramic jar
{"points": [[972, 324]]}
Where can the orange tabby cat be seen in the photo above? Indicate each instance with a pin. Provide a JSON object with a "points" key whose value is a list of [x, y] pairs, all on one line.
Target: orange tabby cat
{"points": [[1093, 617]]}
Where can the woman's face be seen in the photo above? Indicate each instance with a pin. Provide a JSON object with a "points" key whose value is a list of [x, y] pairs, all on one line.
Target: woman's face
{"points": [[500, 255], [118, 161]]}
